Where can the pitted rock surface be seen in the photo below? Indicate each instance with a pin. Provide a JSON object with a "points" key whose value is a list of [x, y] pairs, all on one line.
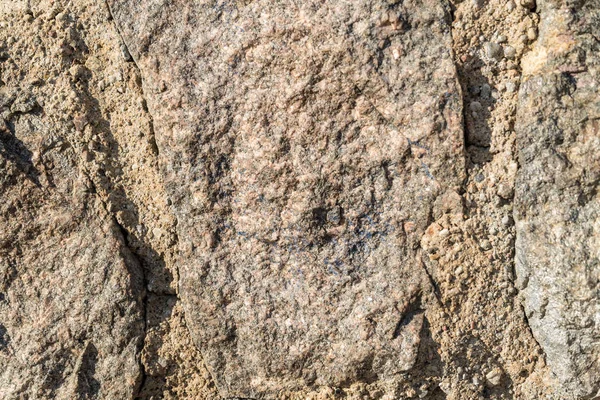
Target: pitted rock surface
{"points": [[299, 200], [70, 289], [72, 284], [558, 209], [303, 147]]}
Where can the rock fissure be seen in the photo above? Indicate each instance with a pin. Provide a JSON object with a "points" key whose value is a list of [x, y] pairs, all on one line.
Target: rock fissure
{"points": [[125, 234]]}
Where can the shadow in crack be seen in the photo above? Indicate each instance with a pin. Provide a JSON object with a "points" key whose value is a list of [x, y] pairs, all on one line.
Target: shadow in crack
{"points": [[478, 104], [15, 151], [106, 174], [87, 385], [102, 163], [429, 363], [157, 278], [4, 338]]}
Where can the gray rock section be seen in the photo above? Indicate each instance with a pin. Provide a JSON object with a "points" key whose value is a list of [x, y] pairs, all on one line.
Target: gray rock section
{"points": [[303, 146], [557, 205]]}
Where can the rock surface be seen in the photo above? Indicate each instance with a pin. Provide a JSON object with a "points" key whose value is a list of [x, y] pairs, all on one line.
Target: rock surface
{"points": [[71, 312], [283, 200], [86, 239], [315, 139], [557, 204]]}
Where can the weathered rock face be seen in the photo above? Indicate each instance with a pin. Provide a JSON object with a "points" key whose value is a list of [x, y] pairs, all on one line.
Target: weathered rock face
{"points": [[289, 194], [70, 320], [558, 209], [85, 241], [304, 147], [71, 312]]}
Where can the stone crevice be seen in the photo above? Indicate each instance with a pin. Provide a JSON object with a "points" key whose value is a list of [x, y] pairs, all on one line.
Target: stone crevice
{"points": [[132, 58], [139, 261]]}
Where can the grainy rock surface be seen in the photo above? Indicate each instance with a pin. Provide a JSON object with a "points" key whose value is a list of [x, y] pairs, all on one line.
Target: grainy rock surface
{"points": [[558, 210], [71, 312], [86, 239], [292, 200], [314, 156]]}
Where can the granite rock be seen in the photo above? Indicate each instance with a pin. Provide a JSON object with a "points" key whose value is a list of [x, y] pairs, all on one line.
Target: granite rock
{"points": [[299, 200], [303, 147], [557, 210]]}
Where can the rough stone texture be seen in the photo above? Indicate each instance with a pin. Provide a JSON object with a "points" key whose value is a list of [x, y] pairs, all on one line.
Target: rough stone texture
{"points": [[315, 199], [471, 252], [86, 239], [558, 209], [315, 138], [71, 312]]}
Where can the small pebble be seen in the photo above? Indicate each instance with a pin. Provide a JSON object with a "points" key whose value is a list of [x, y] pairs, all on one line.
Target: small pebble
{"points": [[444, 233], [485, 245], [125, 53], [162, 362], [510, 6], [87, 156], [509, 52], [478, 3], [445, 387], [486, 91], [475, 106], [494, 377], [501, 39], [77, 71], [532, 34], [497, 201], [493, 50], [505, 191], [510, 87], [529, 4], [506, 220], [62, 17]]}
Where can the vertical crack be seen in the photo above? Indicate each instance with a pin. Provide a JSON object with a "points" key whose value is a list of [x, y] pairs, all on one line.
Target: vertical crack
{"points": [[140, 262], [142, 270], [147, 379], [130, 57], [489, 38]]}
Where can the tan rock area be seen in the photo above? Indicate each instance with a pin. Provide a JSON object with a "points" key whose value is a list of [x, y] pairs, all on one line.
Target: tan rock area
{"points": [[320, 199]]}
